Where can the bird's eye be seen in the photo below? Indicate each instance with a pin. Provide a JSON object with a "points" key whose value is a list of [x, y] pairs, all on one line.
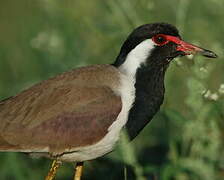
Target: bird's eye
{"points": [[160, 39]]}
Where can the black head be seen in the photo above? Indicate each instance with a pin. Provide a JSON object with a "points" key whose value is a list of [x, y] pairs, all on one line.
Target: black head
{"points": [[157, 44], [144, 56]]}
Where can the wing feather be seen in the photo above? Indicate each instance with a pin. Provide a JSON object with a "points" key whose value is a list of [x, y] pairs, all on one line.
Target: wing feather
{"points": [[73, 109]]}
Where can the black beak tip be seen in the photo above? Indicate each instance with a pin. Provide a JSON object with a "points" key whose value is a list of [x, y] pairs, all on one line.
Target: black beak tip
{"points": [[209, 54]]}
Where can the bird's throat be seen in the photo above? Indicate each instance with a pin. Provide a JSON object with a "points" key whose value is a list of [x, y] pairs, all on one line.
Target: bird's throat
{"points": [[149, 96]]}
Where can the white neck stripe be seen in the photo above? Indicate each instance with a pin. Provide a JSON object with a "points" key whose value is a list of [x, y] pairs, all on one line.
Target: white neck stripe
{"points": [[136, 57]]}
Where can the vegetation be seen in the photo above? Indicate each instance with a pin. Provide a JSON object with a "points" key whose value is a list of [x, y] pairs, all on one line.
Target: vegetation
{"points": [[39, 39]]}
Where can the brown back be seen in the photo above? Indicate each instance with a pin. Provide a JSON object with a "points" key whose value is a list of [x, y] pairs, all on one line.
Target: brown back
{"points": [[70, 110]]}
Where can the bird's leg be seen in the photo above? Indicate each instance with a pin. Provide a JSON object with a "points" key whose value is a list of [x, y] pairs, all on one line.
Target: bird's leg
{"points": [[51, 174], [78, 171]]}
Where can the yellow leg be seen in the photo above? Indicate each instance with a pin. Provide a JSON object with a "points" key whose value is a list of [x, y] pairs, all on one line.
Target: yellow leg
{"points": [[78, 171], [51, 174]]}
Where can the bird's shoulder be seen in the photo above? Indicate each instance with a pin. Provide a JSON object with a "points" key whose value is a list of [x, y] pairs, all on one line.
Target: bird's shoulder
{"points": [[60, 107], [65, 92]]}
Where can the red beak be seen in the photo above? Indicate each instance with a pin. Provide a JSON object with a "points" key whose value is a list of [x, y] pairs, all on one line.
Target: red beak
{"points": [[188, 48]]}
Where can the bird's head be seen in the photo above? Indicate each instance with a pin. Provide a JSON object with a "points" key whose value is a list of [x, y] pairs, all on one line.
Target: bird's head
{"points": [[155, 45]]}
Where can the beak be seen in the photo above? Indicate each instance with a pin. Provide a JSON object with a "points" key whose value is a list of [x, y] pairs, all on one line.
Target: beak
{"points": [[188, 49]]}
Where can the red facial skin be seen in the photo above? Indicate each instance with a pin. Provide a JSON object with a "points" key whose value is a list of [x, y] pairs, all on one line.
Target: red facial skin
{"points": [[183, 46], [186, 48]]}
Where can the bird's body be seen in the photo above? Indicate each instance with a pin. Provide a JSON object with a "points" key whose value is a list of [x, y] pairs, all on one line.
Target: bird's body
{"points": [[85, 105], [79, 115]]}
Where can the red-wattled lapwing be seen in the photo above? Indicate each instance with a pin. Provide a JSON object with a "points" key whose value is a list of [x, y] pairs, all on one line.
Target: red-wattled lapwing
{"points": [[78, 115]]}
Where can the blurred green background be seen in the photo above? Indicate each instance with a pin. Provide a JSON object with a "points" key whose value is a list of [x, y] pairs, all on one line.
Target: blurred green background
{"points": [[42, 38]]}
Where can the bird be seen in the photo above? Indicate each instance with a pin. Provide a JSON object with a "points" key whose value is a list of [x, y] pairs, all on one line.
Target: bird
{"points": [[79, 115]]}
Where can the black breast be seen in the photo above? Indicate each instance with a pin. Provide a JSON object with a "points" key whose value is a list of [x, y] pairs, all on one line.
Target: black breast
{"points": [[148, 98]]}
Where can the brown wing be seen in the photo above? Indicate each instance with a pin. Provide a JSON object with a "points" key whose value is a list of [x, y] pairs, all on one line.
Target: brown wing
{"points": [[71, 110]]}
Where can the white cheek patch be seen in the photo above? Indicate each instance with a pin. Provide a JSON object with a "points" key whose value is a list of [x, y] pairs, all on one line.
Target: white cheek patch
{"points": [[136, 57]]}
